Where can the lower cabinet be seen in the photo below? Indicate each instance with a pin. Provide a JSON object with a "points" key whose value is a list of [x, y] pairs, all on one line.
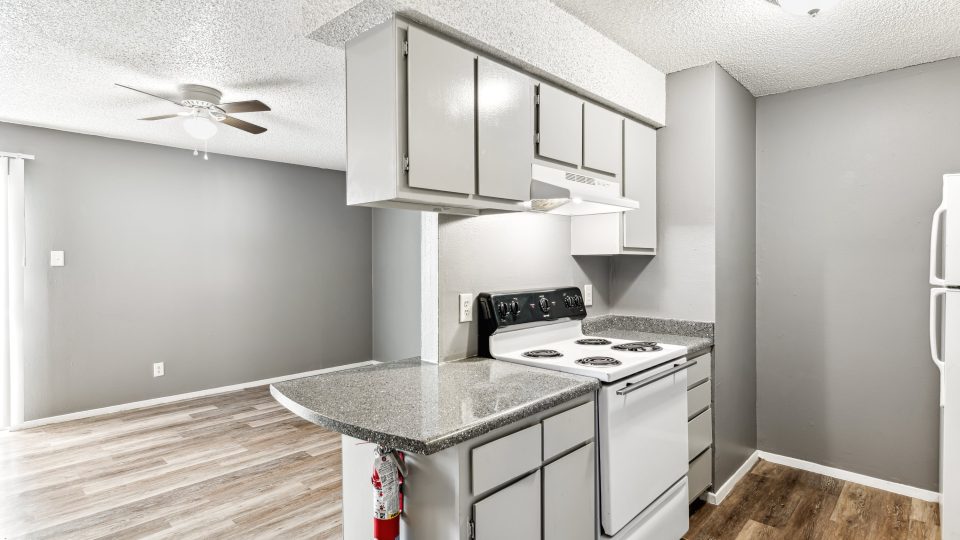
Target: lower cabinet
{"points": [[513, 513], [568, 501], [700, 425]]}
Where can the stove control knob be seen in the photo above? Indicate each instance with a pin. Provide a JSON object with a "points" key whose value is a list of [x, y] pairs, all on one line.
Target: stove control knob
{"points": [[544, 305], [567, 301], [515, 307], [578, 300], [502, 309]]}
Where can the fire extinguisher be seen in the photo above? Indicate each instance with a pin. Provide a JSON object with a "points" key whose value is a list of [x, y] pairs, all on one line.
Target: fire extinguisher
{"points": [[388, 473]]}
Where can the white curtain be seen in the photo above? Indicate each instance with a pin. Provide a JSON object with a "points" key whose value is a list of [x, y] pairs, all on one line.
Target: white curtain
{"points": [[12, 261]]}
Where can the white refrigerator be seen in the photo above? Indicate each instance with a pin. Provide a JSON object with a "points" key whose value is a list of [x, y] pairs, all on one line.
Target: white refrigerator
{"points": [[945, 346]]}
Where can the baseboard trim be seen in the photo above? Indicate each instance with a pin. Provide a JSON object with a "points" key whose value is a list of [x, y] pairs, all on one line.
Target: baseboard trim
{"points": [[719, 495], [178, 397], [857, 478]]}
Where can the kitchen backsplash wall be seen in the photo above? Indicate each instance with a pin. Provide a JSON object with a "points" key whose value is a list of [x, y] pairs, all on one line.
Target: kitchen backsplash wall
{"points": [[505, 252], [228, 270], [848, 176]]}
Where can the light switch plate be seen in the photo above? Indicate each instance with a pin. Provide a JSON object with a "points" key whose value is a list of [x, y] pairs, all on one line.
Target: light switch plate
{"points": [[588, 295], [56, 258], [465, 301]]}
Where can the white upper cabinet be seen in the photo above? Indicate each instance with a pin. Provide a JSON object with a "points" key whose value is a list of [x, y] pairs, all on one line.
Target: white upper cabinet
{"points": [[504, 131], [633, 232], [640, 184], [602, 140], [440, 109], [559, 126]]}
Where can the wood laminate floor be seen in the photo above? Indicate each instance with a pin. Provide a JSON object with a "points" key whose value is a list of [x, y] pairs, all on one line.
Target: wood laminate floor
{"points": [[235, 465], [777, 502], [239, 465]]}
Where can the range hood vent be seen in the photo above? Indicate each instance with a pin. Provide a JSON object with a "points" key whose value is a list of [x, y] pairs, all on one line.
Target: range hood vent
{"points": [[555, 191]]}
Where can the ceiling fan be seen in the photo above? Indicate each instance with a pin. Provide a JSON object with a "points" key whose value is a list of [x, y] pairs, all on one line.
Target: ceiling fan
{"points": [[204, 110]]}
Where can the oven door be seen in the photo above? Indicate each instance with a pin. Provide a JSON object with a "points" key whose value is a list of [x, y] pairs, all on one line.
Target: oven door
{"points": [[643, 440]]}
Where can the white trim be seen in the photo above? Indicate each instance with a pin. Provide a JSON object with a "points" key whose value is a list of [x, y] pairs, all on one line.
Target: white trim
{"points": [[429, 287], [721, 494], [170, 399], [14, 155], [869, 481]]}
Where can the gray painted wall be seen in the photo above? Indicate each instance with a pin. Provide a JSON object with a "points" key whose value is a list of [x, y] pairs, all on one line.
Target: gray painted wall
{"points": [[229, 270], [679, 282], [396, 284], [505, 252], [735, 337], [848, 176], [705, 266]]}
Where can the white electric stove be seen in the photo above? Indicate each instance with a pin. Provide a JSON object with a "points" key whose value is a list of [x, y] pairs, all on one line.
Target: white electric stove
{"points": [[641, 404]]}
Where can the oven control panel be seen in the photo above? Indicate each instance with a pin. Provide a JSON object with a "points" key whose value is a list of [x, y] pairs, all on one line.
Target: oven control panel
{"points": [[498, 310]]}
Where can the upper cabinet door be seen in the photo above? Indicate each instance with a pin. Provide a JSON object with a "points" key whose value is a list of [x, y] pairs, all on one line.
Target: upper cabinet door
{"points": [[504, 131], [640, 184], [602, 140], [440, 109], [560, 126]]}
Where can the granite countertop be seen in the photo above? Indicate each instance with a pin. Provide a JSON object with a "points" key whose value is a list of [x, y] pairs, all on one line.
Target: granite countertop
{"points": [[423, 408], [696, 336]]}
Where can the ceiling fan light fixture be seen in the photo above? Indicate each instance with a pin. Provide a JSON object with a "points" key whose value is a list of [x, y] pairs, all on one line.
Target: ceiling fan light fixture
{"points": [[811, 8], [200, 127]]}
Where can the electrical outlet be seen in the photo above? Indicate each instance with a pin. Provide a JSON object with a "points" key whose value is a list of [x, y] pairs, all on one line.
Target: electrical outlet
{"points": [[56, 258], [158, 369], [588, 295], [465, 301]]}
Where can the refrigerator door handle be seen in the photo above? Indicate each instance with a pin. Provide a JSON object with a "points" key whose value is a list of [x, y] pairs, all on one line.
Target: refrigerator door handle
{"points": [[934, 341], [935, 246]]}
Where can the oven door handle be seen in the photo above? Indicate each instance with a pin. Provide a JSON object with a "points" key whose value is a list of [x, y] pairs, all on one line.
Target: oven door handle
{"points": [[677, 368]]}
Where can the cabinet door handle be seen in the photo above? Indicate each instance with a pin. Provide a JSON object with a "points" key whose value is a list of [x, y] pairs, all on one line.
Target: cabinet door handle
{"points": [[677, 368]]}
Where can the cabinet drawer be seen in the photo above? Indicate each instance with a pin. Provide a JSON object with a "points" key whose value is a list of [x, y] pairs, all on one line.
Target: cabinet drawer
{"points": [[504, 459], [698, 399], [701, 371], [700, 433], [701, 472], [567, 429]]}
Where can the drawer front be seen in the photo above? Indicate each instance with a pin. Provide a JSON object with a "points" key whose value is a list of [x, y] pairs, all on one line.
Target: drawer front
{"points": [[701, 371], [698, 399], [504, 459], [567, 429], [701, 472], [699, 433]]}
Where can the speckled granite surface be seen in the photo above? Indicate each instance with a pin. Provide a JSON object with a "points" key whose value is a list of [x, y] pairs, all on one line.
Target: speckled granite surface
{"points": [[695, 335], [423, 408]]}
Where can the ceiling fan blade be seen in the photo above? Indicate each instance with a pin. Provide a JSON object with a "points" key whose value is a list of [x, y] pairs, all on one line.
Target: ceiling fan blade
{"points": [[148, 93], [161, 117], [246, 126], [244, 106]]}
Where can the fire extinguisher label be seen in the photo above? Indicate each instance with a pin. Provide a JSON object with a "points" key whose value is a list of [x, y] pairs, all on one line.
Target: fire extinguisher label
{"points": [[386, 500]]}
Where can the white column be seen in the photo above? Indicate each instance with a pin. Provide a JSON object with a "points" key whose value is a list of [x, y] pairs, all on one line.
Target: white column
{"points": [[12, 260]]}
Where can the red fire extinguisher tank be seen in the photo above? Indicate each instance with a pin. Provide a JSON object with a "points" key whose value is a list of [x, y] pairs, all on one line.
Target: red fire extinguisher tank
{"points": [[387, 480]]}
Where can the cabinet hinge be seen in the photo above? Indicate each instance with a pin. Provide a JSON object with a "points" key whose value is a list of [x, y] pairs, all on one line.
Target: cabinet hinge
{"points": [[536, 99], [473, 530], [406, 163], [536, 138], [406, 48]]}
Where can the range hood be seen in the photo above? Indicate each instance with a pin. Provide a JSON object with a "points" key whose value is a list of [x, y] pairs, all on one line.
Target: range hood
{"points": [[556, 191]]}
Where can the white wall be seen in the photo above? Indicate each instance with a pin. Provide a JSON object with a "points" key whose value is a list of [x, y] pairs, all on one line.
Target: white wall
{"points": [[848, 176]]}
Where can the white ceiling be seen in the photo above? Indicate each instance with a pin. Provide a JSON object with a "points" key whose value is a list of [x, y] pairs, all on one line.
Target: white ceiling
{"points": [[61, 58], [770, 51]]}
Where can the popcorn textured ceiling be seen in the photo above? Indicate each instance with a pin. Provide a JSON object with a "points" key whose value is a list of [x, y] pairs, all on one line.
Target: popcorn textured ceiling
{"points": [[770, 51], [61, 58]]}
